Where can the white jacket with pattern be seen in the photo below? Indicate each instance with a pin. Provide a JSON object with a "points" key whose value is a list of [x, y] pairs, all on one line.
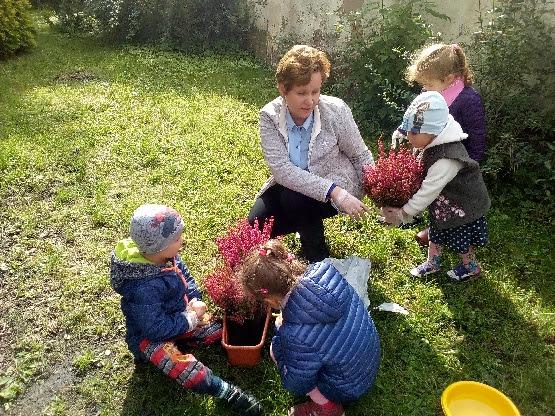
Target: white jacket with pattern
{"points": [[336, 152]]}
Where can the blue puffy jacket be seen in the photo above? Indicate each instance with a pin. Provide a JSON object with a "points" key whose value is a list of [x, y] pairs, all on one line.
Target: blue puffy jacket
{"points": [[327, 339], [152, 296]]}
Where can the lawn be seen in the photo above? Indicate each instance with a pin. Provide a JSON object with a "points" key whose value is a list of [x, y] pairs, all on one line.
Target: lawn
{"points": [[89, 132]]}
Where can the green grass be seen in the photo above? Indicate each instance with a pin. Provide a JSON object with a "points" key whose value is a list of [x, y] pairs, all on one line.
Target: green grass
{"points": [[79, 153]]}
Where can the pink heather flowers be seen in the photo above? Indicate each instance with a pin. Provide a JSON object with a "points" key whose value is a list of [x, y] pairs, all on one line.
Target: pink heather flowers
{"points": [[241, 240], [222, 285], [395, 177]]}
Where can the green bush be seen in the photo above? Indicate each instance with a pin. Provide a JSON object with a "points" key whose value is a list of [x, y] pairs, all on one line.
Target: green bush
{"points": [[188, 25], [75, 16], [43, 3], [369, 69], [16, 29], [513, 57], [203, 24]]}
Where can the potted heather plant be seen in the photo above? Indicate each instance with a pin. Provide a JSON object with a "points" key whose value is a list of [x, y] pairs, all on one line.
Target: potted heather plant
{"points": [[395, 177], [245, 321]]}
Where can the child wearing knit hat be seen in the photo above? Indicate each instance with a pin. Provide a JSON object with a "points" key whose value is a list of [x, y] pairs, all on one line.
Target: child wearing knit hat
{"points": [[453, 189], [162, 306]]}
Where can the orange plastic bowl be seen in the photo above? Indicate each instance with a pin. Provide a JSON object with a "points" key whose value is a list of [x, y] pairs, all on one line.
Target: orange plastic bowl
{"points": [[470, 398]]}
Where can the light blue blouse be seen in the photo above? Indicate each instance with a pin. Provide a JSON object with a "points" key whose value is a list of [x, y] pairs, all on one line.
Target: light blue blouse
{"points": [[299, 139]]}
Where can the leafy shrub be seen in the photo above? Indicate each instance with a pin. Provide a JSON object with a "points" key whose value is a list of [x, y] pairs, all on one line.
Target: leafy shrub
{"points": [[369, 69], [43, 3], [16, 29], [202, 24], [513, 58], [189, 25], [75, 16]]}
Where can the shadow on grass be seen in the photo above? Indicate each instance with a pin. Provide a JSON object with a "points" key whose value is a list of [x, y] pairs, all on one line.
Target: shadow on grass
{"points": [[151, 393], [499, 346], [410, 379], [522, 250]]}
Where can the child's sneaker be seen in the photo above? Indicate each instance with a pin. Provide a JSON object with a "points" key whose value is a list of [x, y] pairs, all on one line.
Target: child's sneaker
{"points": [[311, 408], [243, 403], [463, 274], [424, 269]]}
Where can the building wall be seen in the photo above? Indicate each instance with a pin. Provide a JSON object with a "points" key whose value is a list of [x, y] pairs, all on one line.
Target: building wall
{"points": [[281, 23]]}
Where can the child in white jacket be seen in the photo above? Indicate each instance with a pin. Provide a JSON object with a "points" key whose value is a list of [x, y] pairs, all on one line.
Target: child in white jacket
{"points": [[453, 189]]}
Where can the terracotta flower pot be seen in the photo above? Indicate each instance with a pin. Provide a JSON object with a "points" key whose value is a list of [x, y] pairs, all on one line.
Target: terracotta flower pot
{"points": [[245, 353]]}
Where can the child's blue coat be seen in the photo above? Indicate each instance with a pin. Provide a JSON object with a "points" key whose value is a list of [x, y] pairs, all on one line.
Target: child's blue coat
{"points": [[152, 299], [327, 339]]}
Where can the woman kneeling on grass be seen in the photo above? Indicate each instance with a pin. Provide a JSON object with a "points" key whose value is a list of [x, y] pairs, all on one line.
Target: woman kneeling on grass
{"points": [[326, 345], [314, 151]]}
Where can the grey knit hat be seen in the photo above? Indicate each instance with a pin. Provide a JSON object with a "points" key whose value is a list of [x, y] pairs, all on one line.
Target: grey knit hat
{"points": [[155, 227]]}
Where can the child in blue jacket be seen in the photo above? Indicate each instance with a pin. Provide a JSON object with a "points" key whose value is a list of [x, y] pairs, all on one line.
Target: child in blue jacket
{"points": [[162, 306], [326, 345]]}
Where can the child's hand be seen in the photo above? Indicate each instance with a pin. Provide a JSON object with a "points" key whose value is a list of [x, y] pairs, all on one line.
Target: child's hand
{"points": [[397, 139], [279, 319], [198, 306], [205, 319], [392, 215]]}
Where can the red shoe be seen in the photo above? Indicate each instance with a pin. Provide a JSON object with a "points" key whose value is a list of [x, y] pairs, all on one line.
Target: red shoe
{"points": [[422, 237], [311, 408]]}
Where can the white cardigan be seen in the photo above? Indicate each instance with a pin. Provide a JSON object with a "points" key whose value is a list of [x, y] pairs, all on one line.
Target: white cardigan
{"points": [[336, 152]]}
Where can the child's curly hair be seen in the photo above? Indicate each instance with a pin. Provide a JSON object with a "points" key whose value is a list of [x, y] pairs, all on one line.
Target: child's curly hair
{"points": [[270, 270], [436, 62]]}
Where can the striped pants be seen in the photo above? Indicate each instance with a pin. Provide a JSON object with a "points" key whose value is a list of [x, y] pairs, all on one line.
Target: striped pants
{"points": [[185, 368]]}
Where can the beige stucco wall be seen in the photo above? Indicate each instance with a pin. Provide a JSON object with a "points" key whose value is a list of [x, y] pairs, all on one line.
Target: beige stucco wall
{"points": [[285, 22]]}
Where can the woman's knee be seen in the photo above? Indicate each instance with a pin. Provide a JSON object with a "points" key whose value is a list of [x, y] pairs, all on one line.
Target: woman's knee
{"points": [[258, 211]]}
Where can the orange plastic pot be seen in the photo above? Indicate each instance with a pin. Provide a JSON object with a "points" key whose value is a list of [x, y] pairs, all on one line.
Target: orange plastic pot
{"points": [[244, 355]]}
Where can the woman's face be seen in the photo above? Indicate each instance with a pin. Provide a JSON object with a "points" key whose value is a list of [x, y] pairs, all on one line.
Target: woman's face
{"points": [[301, 99]]}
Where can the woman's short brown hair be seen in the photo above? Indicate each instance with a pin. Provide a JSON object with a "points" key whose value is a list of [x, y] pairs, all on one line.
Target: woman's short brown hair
{"points": [[299, 63]]}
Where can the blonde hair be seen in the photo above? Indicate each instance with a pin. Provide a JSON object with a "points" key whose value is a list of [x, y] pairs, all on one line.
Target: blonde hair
{"points": [[299, 63], [270, 270], [436, 62]]}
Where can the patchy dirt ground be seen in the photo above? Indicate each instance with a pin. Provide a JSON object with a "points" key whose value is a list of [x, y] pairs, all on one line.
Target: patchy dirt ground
{"points": [[39, 395]]}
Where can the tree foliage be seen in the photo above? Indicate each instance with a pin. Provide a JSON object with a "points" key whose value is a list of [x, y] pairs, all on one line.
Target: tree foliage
{"points": [[369, 70], [16, 28], [189, 25], [513, 57]]}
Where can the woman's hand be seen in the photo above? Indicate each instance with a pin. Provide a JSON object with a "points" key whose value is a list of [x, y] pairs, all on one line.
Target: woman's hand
{"points": [[348, 204]]}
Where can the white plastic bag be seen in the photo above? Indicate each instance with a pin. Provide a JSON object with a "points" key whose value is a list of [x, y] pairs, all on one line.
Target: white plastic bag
{"points": [[392, 307], [356, 271]]}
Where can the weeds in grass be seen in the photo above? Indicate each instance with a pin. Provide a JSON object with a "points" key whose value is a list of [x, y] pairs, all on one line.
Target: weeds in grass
{"points": [[77, 157]]}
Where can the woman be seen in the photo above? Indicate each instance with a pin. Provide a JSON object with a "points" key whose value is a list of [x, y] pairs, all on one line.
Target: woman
{"points": [[315, 153]]}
